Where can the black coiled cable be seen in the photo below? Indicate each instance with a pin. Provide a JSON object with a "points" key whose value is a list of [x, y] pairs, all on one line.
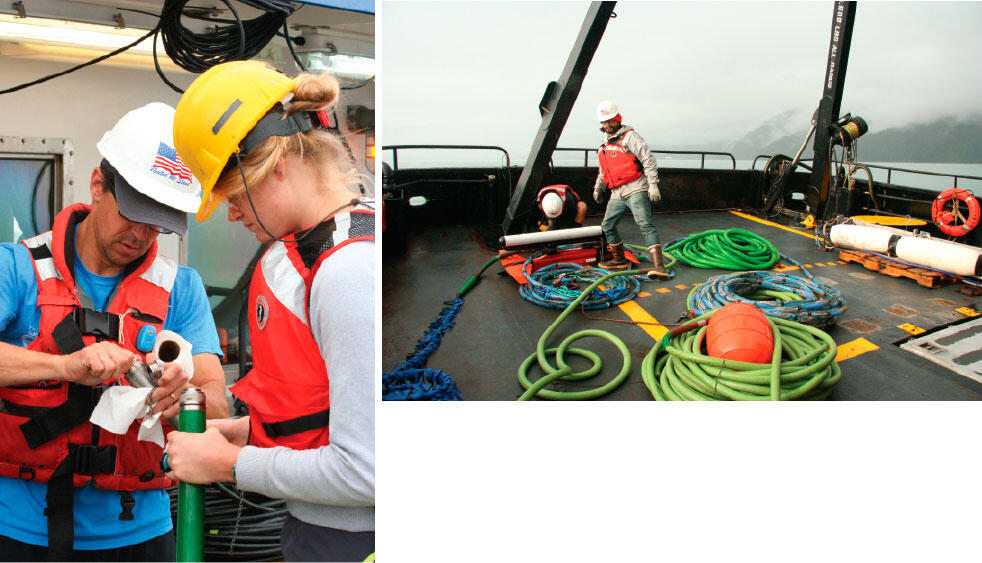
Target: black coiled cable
{"points": [[231, 40], [239, 525]]}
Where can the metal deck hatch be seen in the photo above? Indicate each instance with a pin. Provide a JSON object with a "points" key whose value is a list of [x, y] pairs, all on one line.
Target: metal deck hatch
{"points": [[958, 348]]}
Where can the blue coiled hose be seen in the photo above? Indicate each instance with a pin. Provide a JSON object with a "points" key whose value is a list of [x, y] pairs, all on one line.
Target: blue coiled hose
{"points": [[804, 300], [557, 285]]}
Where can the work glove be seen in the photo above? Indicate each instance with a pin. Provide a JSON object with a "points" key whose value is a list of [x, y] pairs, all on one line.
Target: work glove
{"points": [[598, 194], [653, 194], [551, 225]]}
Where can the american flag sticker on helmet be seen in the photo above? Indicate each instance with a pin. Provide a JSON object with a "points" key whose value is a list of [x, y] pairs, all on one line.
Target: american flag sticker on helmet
{"points": [[168, 160]]}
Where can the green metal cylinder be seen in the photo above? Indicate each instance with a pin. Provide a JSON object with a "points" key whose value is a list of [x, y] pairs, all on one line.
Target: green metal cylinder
{"points": [[191, 498]]}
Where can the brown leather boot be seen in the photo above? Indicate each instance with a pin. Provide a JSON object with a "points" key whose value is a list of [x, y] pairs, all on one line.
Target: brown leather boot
{"points": [[658, 268], [617, 261]]}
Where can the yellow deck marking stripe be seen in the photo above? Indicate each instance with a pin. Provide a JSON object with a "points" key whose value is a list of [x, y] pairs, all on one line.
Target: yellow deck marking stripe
{"points": [[968, 311], [644, 294], [913, 329], [663, 290], [681, 287], [854, 348], [638, 314], [765, 222]]}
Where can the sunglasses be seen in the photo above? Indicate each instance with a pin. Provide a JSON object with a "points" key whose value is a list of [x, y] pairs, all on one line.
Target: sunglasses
{"points": [[109, 183]]}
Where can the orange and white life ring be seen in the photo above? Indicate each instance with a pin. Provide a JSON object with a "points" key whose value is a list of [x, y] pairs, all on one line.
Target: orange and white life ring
{"points": [[948, 220]]}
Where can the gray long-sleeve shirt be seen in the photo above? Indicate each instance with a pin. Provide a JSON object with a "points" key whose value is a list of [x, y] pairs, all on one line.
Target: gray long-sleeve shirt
{"points": [[635, 144], [332, 486]]}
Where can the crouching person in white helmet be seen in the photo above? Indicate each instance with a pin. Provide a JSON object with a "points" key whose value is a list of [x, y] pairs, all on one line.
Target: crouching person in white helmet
{"points": [[629, 172], [561, 208], [78, 304]]}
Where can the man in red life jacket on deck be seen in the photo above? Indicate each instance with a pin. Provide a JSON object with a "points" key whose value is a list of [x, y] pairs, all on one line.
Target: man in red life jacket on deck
{"points": [[629, 172], [77, 305]]}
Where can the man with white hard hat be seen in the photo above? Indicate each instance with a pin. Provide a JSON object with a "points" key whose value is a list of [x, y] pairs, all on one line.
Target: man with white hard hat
{"points": [[79, 304], [629, 172], [561, 208]]}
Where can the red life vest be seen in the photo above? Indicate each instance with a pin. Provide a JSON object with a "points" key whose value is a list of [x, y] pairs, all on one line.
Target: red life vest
{"points": [[617, 164], [288, 390], [43, 425], [559, 189]]}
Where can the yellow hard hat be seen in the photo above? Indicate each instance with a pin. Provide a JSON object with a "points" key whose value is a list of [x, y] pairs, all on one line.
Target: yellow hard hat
{"points": [[216, 112]]}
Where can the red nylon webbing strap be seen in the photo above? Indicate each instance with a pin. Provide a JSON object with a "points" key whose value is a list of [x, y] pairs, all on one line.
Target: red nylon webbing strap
{"points": [[583, 256]]}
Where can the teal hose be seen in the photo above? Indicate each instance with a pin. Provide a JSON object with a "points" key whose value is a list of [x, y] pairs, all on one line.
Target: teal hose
{"points": [[802, 367]]}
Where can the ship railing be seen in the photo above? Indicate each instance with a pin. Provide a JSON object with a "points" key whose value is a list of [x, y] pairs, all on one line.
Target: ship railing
{"points": [[890, 170], [396, 148], [702, 155]]}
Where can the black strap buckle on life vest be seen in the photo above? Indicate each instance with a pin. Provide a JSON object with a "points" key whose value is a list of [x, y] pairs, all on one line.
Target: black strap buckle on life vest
{"points": [[126, 502], [68, 333], [92, 322], [93, 460], [297, 425], [54, 422]]}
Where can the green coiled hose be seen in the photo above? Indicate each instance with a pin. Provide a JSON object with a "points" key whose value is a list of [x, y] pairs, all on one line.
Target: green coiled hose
{"points": [[802, 367], [729, 249], [564, 371]]}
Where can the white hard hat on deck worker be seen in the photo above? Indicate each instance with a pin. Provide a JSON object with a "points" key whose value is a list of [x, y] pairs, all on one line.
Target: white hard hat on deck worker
{"points": [[552, 205], [609, 116], [607, 110]]}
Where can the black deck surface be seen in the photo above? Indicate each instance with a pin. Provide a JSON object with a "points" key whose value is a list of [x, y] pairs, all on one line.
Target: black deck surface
{"points": [[496, 329]]}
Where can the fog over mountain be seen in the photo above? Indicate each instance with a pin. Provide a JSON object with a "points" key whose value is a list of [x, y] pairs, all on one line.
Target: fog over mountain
{"points": [[946, 139]]}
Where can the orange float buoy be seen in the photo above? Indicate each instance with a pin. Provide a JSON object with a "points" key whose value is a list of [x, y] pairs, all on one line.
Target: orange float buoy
{"points": [[740, 332]]}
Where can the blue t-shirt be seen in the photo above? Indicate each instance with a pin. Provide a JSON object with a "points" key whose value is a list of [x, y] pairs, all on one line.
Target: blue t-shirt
{"points": [[97, 523]]}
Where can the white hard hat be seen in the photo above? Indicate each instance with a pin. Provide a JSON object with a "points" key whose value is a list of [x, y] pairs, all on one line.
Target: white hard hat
{"points": [[140, 147], [552, 205], [606, 110]]}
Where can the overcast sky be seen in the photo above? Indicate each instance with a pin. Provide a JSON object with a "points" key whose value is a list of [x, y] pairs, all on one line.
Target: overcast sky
{"points": [[685, 74]]}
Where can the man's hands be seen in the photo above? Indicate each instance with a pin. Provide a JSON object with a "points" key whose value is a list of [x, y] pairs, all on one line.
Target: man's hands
{"points": [[654, 194], [97, 363], [166, 397]]}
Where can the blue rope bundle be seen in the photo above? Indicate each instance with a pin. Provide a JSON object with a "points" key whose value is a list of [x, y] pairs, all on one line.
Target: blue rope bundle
{"points": [[410, 381], [789, 297], [557, 285]]}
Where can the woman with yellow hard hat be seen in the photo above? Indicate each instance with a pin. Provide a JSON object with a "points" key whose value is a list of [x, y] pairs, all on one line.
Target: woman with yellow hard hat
{"points": [[258, 140]]}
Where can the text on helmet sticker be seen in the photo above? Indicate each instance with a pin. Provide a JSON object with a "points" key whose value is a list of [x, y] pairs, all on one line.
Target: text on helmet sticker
{"points": [[169, 164]]}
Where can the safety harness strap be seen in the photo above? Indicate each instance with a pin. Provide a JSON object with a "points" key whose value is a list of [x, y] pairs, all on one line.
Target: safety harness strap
{"points": [[55, 421], [84, 460], [297, 425]]}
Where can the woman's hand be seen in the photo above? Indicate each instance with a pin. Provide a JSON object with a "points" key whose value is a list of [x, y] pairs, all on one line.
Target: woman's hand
{"points": [[235, 430], [200, 458]]}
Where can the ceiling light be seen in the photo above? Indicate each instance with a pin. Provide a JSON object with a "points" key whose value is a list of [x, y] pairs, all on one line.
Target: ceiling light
{"points": [[73, 34], [349, 66]]}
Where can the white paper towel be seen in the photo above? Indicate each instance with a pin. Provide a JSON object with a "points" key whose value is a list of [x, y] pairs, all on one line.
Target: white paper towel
{"points": [[184, 357], [120, 405]]}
